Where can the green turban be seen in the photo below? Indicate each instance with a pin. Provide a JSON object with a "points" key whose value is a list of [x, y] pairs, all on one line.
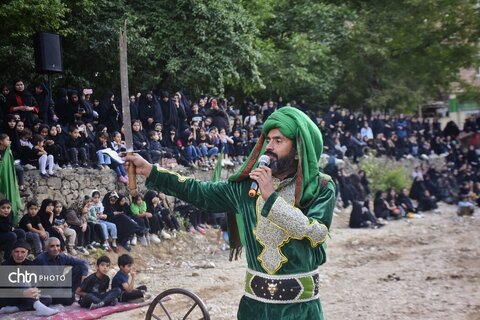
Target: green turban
{"points": [[297, 126]]}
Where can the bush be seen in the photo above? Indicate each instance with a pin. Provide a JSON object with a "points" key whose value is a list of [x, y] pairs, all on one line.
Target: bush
{"points": [[384, 173]]}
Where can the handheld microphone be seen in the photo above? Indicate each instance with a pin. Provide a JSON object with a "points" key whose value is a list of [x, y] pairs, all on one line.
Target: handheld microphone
{"points": [[263, 161]]}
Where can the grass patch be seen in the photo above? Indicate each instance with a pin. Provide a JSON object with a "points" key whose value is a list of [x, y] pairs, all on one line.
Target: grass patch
{"points": [[384, 173]]}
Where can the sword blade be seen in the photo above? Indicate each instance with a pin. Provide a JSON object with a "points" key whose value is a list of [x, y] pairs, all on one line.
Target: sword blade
{"points": [[127, 118]]}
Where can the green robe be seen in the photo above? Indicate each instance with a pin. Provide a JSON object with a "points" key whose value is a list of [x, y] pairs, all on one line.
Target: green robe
{"points": [[278, 237]]}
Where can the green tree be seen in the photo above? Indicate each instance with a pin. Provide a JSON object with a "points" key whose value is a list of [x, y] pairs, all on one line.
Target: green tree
{"points": [[201, 46], [402, 53], [21, 19], [296, 44]]}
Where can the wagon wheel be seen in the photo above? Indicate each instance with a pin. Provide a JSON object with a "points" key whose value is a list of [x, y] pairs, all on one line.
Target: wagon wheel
{"points": [[173, 304]]}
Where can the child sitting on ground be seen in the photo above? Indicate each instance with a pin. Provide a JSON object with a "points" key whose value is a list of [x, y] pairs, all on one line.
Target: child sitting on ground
{"points": [[127, 286], [94, 292], [33, 228]]}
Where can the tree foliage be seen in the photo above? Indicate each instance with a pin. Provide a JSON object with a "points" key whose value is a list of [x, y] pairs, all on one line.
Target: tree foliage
{"points": [[359, 54], [297, 40], [401, 53]]}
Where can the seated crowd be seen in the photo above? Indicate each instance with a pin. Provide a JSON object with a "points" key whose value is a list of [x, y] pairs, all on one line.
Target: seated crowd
{"points": [[74, 129], [92, 290], [51, 234], [428, 188]]}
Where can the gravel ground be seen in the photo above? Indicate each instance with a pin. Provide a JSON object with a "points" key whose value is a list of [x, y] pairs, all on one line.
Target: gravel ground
{"points": [[425, 268]]}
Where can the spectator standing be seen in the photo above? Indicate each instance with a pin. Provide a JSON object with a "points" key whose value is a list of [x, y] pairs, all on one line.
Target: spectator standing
{"points": [[140, 140], [45, 103], [271, 109], [174, 113], [62, 110], [80, 110], [23, 103], [110, 114], [149, 111], [219, 116]]}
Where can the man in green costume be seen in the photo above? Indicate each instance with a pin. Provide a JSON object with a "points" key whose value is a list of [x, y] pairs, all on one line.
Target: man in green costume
{"points": [[283, 227]]}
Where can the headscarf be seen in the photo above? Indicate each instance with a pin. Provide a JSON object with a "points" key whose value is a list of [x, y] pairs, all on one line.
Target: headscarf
{"points": [[297, 126], [108, 208]]}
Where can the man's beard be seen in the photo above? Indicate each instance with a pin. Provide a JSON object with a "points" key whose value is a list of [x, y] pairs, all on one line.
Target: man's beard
{"points": [[284, 164]]}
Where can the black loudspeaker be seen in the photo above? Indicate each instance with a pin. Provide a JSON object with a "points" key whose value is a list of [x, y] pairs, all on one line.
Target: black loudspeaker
{"points": [[48, 52]]}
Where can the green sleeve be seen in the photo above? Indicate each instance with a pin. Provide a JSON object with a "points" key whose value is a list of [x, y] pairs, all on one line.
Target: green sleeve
{"points": [[135, 209], [219, 196], [143, 207]]}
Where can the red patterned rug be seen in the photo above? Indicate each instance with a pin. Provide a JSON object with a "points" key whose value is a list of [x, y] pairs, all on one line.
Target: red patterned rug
{"points": [[75, 312]]}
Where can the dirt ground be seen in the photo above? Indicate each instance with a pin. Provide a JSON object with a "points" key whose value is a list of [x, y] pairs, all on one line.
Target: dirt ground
{"points": [[426, 268]]}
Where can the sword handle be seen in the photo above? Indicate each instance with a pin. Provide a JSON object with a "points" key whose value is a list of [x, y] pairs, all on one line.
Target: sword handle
{"points": [[132, 178]]}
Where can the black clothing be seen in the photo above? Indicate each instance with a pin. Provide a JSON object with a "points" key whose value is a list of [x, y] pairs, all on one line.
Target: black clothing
{"points": [[96, 289], [219, 119], [24, 98], [45, 104], [27, 219], [380, 208], [361, 217], [62, 109], [93, 284], [149, 109], [110, 114], [126, 227], [406, 203]]}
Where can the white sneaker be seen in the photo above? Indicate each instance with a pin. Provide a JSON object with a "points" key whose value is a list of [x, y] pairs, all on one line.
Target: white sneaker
{"points": [[174, 233], [154, 238], [165, 235], [133, 242], [143, 241]]}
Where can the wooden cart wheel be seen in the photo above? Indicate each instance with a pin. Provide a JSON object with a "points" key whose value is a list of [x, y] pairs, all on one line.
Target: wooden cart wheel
{"points": [[175, 304]]}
